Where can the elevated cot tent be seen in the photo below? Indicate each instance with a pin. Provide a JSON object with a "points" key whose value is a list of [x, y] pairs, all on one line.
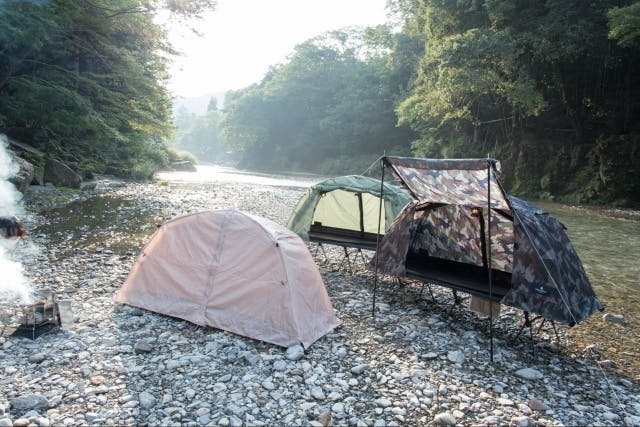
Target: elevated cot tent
{"points": [[232, 271], [461, 222], [344, 211]]}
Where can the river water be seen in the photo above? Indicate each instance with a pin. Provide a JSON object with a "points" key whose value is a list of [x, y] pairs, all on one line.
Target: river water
{"points": [[607, 241]]}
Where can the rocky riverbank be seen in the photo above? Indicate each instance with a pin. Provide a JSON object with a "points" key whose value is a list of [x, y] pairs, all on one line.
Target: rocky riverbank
{"points": [[421, 360]]}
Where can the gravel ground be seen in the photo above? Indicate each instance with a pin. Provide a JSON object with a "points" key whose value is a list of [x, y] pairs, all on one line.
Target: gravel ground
{"points": [[421, 360]]}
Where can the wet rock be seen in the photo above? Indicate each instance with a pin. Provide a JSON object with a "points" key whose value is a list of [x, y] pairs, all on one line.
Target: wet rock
{"points": [[294, 353]]}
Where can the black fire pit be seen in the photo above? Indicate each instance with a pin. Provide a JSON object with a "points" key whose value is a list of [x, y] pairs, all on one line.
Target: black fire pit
{"points": [[41, 317]]}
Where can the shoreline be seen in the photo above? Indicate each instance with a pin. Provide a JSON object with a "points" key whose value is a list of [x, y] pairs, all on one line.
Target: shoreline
{"points": [[420, 361]]}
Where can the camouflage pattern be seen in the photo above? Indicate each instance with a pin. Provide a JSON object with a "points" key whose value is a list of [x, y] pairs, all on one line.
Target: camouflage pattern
{"points": [[448, 182], [452, 232], [547, 276], [393, 248]]}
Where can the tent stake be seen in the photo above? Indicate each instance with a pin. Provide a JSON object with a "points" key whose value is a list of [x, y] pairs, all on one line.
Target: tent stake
{"points": [[375, 279], [490, 278]]}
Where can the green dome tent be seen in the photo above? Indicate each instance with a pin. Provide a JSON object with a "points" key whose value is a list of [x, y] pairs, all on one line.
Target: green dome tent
{"points": [[347, 206]]}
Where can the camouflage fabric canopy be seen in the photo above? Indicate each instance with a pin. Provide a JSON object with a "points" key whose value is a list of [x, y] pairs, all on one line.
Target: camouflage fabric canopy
{"points": [[448, 221]]}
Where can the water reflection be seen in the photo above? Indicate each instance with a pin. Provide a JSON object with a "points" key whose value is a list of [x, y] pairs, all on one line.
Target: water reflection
{"points": [[209, 173]]}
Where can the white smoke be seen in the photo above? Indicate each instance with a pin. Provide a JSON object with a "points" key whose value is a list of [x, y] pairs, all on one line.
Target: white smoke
{"points": [[13, 284]]}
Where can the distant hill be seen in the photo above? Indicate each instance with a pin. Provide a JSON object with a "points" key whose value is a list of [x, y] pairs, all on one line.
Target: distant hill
{"points": [[197, 105]]}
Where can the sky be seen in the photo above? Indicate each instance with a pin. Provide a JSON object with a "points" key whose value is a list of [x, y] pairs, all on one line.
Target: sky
{"points": [[240, 39]]}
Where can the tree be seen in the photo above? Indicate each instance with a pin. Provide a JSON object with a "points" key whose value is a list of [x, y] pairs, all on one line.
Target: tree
{"points": [[84, 81], [329, 108]]}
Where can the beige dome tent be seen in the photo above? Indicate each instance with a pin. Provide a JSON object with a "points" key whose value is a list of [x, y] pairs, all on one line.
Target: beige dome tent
{"points": [[232, 271]]}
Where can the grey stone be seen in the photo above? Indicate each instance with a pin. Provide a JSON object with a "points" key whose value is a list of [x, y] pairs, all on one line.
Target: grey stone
{"points": [[21, 422], [317, 393], [617, 319], [455, 357], [529, 374], [6, 422], [382, 402], [279, 365], [295, 352], [61, 175], [357, 370], [147, 400], [29, 401], [142, 346], [538, 405], [444, 419], [521, 421]]}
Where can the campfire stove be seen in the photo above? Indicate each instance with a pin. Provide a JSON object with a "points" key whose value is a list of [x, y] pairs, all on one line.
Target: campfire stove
{"points": [[40, 317]]}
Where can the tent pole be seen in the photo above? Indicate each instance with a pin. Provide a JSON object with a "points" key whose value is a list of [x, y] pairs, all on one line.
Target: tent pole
{"points": [[375, 279], [490, 278]]}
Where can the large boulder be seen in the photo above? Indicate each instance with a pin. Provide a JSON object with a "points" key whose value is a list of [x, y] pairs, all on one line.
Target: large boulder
{"points": [[25, 173], [61, 175], [183, 165]]}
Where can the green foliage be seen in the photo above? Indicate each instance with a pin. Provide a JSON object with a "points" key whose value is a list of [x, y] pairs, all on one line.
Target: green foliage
{"points": [[332, 102], [532, 83], [84, 81], [624, 24]]}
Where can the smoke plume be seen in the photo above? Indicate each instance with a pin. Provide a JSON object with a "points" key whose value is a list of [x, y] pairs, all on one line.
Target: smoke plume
{"points": [[13, 284]]}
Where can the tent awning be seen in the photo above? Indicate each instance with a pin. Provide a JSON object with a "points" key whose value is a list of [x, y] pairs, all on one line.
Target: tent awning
{"points": [[462, 182]]}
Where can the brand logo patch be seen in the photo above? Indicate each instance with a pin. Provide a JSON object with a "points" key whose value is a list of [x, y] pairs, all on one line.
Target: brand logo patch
{"points": [[542, 289]]}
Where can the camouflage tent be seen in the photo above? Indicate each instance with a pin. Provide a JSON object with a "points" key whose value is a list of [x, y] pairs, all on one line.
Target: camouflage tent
{"points": [[450, 237], [345, 209]]}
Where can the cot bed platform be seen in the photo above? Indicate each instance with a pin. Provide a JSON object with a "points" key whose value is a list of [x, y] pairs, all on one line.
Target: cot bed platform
{"points": [[467, 278]]}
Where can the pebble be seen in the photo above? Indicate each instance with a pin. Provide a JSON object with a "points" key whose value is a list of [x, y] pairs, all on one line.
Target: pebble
{"points": [[317, 393], [414, 363], [359, 369], [142, 346], [455, 357], [617, 319], [538, 405], [294, 353], [147, 400], [529, 374], [444, 419]]}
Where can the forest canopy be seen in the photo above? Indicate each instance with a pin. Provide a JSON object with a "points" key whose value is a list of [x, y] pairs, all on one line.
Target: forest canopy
{"points": [[84, 81]]}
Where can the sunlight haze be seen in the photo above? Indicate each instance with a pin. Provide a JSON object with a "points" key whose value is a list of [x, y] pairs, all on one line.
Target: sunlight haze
{"points": [[242, 38]]}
